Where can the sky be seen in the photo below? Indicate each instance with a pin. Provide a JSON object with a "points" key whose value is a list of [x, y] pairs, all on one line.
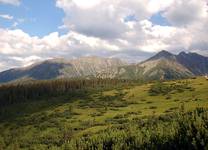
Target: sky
{"points": [[133, 30]]}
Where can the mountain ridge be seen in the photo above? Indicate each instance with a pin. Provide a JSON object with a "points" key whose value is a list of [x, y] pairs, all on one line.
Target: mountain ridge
{"points": [[163, 65]]}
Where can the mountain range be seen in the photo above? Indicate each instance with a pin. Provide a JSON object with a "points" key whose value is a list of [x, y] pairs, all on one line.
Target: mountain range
{"points": [[163, 65]]}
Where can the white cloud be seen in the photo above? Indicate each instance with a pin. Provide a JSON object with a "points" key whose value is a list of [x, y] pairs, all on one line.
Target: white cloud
{"points": [[12, 2], [155, 6], [101, 18], [15, 24], [99, 28], [184, 13], [22, 49], [86, 4], [6, 16], [26, 61], [192, 16]]}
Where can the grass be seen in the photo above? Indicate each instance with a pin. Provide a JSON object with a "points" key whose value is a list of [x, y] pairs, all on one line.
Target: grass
{"points": [[42, 122]]}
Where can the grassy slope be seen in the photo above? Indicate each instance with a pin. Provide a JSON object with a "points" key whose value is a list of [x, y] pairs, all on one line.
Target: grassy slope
{"points": [[40, 122]]}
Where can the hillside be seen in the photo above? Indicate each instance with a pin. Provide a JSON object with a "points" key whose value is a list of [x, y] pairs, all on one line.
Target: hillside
{"points": [[163, 65], [115, 117], [194, 62], [85, 67]]}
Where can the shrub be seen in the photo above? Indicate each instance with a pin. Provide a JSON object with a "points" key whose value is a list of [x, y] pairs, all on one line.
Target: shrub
{"points": [[174, 131], [160, 88], [153, 107], [168, 96]]}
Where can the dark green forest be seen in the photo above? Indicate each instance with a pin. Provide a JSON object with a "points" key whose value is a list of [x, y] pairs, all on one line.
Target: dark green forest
{"points": [[16, 93]]}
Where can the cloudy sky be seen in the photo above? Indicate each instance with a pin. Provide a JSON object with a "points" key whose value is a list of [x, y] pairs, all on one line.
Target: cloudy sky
{"points": [[35, 30]]}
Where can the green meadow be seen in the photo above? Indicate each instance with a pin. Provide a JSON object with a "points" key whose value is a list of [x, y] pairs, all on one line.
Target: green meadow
{"points": [[135, 116]]}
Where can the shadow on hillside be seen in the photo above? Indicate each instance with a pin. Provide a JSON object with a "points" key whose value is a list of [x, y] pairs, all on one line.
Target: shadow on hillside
{"points": [[15, 112]]}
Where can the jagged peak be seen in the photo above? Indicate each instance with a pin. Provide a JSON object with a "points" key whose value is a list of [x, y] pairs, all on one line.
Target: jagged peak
{"points": [[190, 54], [163, 54]]}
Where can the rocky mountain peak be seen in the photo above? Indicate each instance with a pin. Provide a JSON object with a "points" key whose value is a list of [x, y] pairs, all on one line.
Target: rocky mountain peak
{"points": [[162, 54], [162, 65]]}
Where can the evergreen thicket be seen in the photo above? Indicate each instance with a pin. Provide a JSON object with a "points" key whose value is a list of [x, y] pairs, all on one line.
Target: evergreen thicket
{"points": [[181, 131], [187, 131], [16, 93]]}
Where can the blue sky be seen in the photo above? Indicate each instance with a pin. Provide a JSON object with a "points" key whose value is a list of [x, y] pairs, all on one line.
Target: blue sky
{"points": [[158, 19], [35, 17], [41, 17]]}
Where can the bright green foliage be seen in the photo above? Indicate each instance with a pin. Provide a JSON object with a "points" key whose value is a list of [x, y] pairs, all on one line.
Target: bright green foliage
{"points": [[164, 88], [176, 131], [112, 115]]}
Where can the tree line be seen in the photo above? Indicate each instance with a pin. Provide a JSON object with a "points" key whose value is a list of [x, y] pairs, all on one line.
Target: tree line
{"points": [[20, 92]]}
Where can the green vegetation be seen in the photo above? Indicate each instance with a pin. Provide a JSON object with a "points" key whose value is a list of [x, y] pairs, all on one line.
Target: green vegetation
{"points": [[112, 115], [165, 88], [17, 92], [185, 131]]}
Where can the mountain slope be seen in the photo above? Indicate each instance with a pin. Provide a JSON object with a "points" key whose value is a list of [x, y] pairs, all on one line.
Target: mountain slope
{"points": [[196, 63], [86, 67], [163, 65], [42, 71], [97, 66]]}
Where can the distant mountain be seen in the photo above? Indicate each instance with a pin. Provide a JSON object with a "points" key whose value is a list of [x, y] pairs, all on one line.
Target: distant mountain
{"points": [[162, 55], [163, 65], [194, 62], [85, 67], [42, 71], [95, 67]]}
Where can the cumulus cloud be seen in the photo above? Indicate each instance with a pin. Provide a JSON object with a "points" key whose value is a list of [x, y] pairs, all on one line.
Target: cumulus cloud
{"points": [[192, 16], [101, 18], [184, 13], [106, 20], [155, 6], [19, 47], [12, 2], [115, 28], [26, 61]]}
